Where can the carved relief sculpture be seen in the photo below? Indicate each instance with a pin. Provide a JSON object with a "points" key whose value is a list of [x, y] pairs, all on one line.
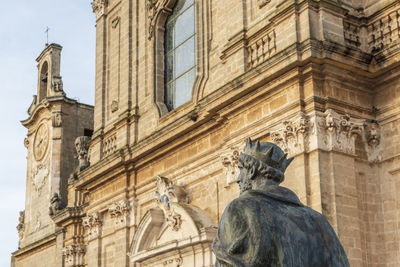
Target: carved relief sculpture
{"points": [[166, 194], [55, 204], [119, 211], [229, 161], [57, 86], [74, 255], [21, 225], [93, 224], [39, 177], [373, 141], [56, 119], [82, 148], [292, 136], [99, 7]]}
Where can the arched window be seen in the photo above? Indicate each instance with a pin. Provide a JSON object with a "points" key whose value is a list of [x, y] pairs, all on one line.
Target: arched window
{"points": [[43, 81], [180, 54]]}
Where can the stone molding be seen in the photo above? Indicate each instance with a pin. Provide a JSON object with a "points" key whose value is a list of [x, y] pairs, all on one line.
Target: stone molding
{"points": [[99, 7], [229, 160], [82, 151], [119, 211], [93, 224], [153, 8], [166, 195], [74, 255], [262, 3], [293, 135]]}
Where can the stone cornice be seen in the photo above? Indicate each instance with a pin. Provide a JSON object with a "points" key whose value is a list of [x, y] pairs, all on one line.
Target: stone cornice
{"points": [[44, 242]]}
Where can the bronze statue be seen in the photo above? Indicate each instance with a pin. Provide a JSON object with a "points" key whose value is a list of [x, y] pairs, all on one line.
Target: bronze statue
{"points": [[267, 225]]}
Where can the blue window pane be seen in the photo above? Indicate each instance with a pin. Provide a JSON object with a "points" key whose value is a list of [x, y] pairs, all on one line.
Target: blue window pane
{"points": [[184, 57], [183, 88], [169, 67], [184, 26]]}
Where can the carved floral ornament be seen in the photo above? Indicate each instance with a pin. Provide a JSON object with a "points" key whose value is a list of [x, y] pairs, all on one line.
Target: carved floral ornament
{"points": [[74, 255], [99, 7], [119, 211], [292, 135], [329, 131], [92, 223], [166, 195]]}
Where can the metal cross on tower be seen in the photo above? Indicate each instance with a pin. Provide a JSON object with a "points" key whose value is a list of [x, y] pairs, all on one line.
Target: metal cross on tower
{"points": [[47, 35]]}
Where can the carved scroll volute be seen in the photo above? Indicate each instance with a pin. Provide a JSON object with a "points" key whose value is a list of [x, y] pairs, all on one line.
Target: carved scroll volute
{"points": [[99, 7], [154, 8], [293, 135], [167, 194], [82, 151]]}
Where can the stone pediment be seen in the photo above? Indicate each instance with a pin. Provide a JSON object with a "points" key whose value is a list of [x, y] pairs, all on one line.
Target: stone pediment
{"points": [[173, 226]]}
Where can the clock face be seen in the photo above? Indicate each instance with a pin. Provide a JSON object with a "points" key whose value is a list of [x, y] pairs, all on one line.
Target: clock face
{"points": [[41, 141]]}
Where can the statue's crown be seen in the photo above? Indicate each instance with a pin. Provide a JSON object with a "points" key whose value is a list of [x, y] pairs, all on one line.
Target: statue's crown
{"points": [[268, 153]]}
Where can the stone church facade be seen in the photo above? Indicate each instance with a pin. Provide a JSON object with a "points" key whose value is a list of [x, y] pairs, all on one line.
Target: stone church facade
{"points": [[142, 178]]}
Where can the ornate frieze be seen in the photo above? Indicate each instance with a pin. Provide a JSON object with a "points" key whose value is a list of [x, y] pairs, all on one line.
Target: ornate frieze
{"points": [[21, 225], [292, 135], [229, 161], [39, 177], [82, 151], [74, 255], [99, 7], [166, 195], [261, 49], [119, 212], [383, 31], [92, 223]]}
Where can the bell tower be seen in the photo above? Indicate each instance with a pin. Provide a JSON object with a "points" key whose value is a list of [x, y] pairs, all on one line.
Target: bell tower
{"points": [[54, 123]]}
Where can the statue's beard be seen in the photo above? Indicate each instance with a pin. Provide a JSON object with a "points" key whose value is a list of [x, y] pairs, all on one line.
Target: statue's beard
{"points": [[244, 186]]}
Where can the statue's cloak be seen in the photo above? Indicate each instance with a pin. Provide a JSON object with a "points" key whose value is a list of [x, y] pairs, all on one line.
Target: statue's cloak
{"points": [[273, 228]]}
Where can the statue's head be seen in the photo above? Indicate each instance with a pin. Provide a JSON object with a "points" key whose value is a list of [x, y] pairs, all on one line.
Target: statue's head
{"points": [[261, 164]]}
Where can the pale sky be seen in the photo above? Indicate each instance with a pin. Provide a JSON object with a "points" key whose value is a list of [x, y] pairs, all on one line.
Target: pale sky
{"points": [[22, 38]]}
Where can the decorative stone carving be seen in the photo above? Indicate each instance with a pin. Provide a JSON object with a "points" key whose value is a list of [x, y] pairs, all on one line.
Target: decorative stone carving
{"points": [[178, 261], [39, 177], [351, 34], [292, 135], [153, 7], [56, 119], [373, 141], [21, 225], [82, 148], [383, 31], [74, 255], [55, 204], [166, 194], [93, 224], [57, 85], [338, 132], [26, 142], [115, 22], [33, 105], [119, 211], [114, 106], [262, 3], [99, 7], [229, 161]]}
